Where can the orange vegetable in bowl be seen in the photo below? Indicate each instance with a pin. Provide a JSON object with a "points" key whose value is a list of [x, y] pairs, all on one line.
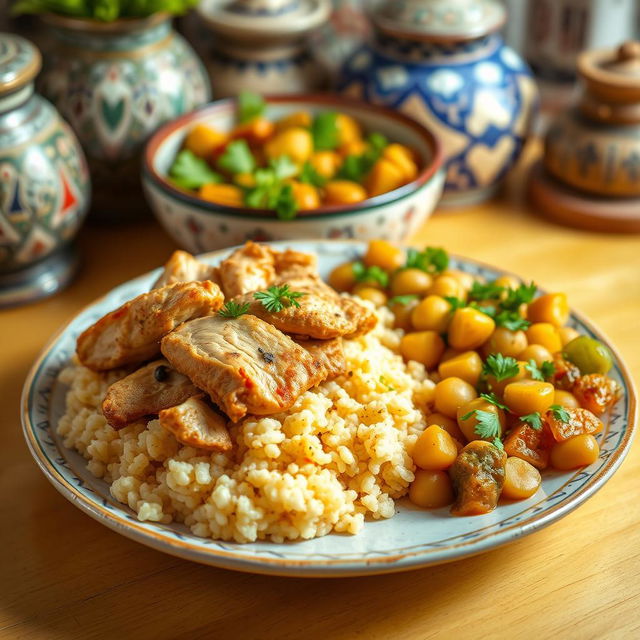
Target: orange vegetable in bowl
{"points": [[295, 119], [305, 195], [431, 489], [571, 422], [348, 129], [225, 194], [402, 157], [425, 347], [383, 254], [469, 328], [326, 163], [575, 452], [295, 143], [528, 396], [521, 479], [435, 449], [552, 308], [203, 140], [337, 192], [384, 176]]}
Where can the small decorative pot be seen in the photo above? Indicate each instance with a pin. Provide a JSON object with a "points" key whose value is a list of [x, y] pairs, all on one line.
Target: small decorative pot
{"points": [[44, 182], [441, 62], [263, 45], [116, 82]]}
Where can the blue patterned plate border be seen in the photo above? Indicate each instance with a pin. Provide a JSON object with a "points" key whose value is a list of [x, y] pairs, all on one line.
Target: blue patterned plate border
{"points": [[411, 539]]}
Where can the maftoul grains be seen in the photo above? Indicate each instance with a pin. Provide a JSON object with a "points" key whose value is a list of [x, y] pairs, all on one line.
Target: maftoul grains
{"points": [[340, 454]]}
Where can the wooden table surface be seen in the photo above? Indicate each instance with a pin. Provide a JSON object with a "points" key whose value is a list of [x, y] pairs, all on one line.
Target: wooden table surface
{"points": [[62, 575]]}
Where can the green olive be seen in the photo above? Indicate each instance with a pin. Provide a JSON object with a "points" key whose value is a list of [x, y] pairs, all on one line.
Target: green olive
{"points": [[589, 355]]}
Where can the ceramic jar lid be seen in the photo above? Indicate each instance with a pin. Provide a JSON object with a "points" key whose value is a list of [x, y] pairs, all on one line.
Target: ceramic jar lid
{"points": [[439, 20], [20, 62], [264, 20], [612, 84]]}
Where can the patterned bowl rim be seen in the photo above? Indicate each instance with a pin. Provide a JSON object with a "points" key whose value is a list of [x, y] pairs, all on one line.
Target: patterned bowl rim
{"points": [[404, 560], [427, 174]]}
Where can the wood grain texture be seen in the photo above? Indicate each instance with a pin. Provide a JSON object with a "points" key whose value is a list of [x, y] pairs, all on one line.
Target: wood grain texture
{"points": [[62, 575]]}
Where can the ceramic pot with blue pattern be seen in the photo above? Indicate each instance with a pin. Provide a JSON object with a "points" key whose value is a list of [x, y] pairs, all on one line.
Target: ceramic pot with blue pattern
{"points": [[443, 62], [44, 182], [116, 83]]}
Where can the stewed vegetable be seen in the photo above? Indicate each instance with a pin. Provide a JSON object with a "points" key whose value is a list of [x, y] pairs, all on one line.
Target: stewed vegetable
{"points": [[516, 390]]}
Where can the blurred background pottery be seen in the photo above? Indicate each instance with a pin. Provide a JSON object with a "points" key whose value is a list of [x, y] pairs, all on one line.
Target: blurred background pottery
{"points": [[44, 182], [442, 62], [116, 82], [263, 45], [198, 225], [590, 173]]}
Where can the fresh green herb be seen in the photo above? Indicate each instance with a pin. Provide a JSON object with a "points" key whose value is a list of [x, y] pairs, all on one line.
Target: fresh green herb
{"points": [[271, 193], [104, 10], [559, 413], [496, 442], [377, 142], [237, 158], [511, 320], [324, 130], [309, 175], [250, 106], [233, 309], [488, 291], [493, 399], [534, 420], [544, 372], [430, 259], [548, 369], [487, 309], [403, 300], [188, 171], [276, 299], [500, 367], [488, 425], [284, 167], [383, 381], [524, 294], [455, 303], [356, 167], [374, 274]]}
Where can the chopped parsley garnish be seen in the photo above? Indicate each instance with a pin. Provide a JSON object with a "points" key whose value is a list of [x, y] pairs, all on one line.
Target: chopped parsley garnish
{"points": [[188, 171], [233, 309], [493, 399], [403, 300], [500, 367], [488, 424], [275, 298], [455, 303], [511, 320], [324, 130], [559, 413], [237, 158], [283, 167], [496, 442], [524, 294], [271, 193], [430, 259], [488, 291], [373, 274], [250, 106], [309, 175], [534, 420], [544, 372]]}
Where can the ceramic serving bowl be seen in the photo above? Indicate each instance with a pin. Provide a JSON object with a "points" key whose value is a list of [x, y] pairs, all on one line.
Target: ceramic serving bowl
{"points": [[198, 225]]}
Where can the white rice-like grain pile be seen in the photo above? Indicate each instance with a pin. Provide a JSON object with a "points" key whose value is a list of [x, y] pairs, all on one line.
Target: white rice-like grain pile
{"points": [[341, 454]]}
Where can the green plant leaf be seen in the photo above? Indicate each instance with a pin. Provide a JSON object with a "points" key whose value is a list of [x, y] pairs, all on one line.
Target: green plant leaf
{"points": [[191, 172]]}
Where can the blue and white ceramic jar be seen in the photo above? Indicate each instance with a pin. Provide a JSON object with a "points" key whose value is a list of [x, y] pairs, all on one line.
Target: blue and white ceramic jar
{"points": [[442, 62], [44, 182]]}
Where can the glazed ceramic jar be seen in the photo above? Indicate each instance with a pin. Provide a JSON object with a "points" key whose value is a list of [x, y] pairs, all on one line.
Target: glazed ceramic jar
{"points": [[263, 45], [44, 182], [442, 62], [116, 82]]}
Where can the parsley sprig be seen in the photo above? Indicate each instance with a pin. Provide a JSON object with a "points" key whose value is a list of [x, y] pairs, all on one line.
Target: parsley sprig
{"points": [[373, 274], [523, 294], [430, 259], [543, 372], [559, 413], [237, 158], [534, 420], [325, 132], [188, 171], [403, 300], [233, 309], [500, 367], [494, 400], [250, 106], [271, 192], [485, 291], [276, 298]]}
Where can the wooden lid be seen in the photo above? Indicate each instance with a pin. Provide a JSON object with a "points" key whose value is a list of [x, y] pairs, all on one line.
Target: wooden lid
{"points": [[568, 206], [20, 62]]}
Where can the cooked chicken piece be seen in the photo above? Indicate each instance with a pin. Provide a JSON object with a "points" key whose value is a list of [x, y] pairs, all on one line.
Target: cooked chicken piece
{"points": [[183, 267], [196, 424], [244, 364], [323, 314], [329, 353], [132, 333], [290, 263], [146, 391], [248, 269]]}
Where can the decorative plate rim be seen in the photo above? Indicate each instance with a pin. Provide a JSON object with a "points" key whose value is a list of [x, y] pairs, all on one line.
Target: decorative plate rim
{"points": [[360, 564]]}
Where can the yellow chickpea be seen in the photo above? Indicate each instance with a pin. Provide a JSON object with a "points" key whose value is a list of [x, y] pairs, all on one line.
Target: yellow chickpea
{"points": [[403, 159], [469, 328], [225, 194], [449, 425], [432, 313], [305, 195], [342, 278], [448, 286], [383, 177], [402, 314], [383, 254], [528, 396], [294, 120], [296, 143], [337, 192], [509, 282], [450, 353], [431, 489], [452, 393], [499, 386], [565, 399], [326, 163], [348, 129], [507, 342], [567, 334], [466, 280], [372, 294], [546, 334], [410, 281], [435, 449], [521, 479], [552, 308], [537, 353], [422, 346], [467, 366], [575, 452], [203, 140], [468, 420]]}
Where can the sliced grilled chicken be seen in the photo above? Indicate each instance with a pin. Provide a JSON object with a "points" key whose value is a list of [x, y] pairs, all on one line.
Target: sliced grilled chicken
{"points": [[329, 353], [147, 391], [196, 424], [245, 364], [132, 333], [247, 269], [183, 267], [290, 264]]}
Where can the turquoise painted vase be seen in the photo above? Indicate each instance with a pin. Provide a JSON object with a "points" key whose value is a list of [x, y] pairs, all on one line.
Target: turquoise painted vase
{"points": [[443, 63], [116, 83], [44, 182]]}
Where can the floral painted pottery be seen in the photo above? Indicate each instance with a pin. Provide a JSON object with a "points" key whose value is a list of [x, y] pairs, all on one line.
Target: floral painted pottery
{"points": [[44, 182], [442, 62], [590, 173], [116, 82], [263, 45], [198, 225]]}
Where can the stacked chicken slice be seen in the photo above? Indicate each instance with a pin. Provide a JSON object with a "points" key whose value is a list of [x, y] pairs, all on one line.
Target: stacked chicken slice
{"points": [[257, 363]]}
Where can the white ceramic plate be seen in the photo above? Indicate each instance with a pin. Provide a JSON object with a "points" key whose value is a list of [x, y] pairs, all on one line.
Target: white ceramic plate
{"points": [[412, 538]]}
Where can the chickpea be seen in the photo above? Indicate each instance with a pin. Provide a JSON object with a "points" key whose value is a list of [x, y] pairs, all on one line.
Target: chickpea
{"points": [[422, 346], [448, 424], [506, 342], [227, 195], [528, 396], [545, 334], [567, 334], [383, 254], [521, 479], [337, 192], [509, 282], [468, 423], [348, 129], [435, 449], [202, 140], [326, 163], [431, 489], [450, 353], [297, 119], [499, 387], [410, 281], [565, 399], [447, 286], [467, 366], [450, 394], [552, 308], [383, 177], [432, 313], [294, 142], [537, 353], [465, 279], [305, 195], [403, 159], [342, 278], [575, 452], [402, 314], [469, 328], [372, 294]]}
